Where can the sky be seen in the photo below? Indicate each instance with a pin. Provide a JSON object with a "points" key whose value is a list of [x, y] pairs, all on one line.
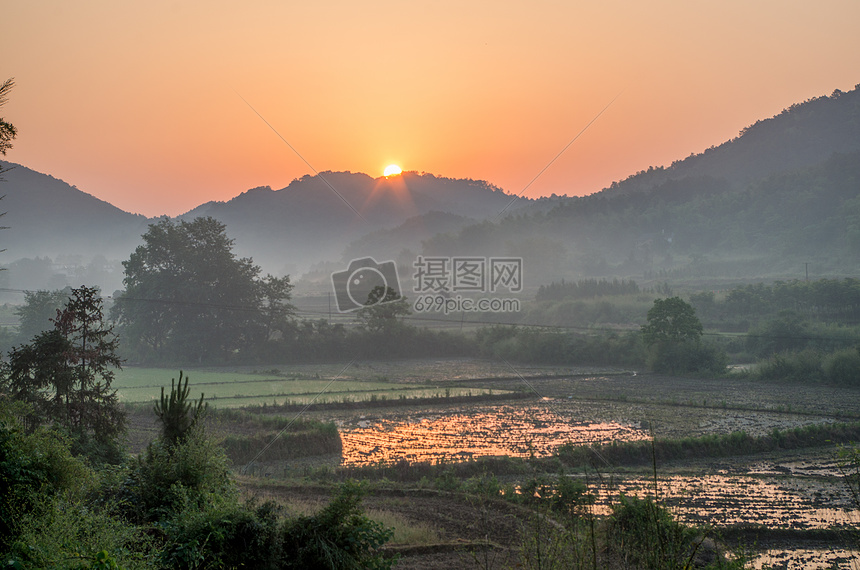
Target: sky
{"points": [[159, 106]]}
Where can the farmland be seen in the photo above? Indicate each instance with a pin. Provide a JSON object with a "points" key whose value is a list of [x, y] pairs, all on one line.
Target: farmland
{"points": [[789, 499], [243, 388]]}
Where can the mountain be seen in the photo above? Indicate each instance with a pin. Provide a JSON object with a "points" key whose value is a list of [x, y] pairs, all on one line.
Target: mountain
{"points": [[316, 217], [800, 136], [312, 220], [783, 194], [48, 217]]}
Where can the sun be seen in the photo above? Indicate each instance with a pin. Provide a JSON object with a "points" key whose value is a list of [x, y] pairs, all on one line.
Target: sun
{"points": [[391, 170]]}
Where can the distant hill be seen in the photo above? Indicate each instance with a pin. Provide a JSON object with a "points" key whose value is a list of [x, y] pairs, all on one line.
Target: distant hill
{"points": [[313, 220], [48, 217], [800, 136], [316, 217], [785, 193]]}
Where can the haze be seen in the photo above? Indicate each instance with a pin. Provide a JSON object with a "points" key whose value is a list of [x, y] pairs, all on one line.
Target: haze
{"points": [[139, 104]]}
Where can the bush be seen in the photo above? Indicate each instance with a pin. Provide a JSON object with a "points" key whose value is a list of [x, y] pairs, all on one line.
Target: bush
{"points": [[71, 534], [687, 358], [228, 536], [167, 479], [803, 366], [842, 367], [643, 534], [339, 537], [32, 467]]}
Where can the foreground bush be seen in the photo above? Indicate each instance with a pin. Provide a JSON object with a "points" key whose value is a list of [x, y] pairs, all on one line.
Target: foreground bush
{"points": [[338, 537], [33, 467], [174, 507], [642, 534], [227, 536], [168, 479]]}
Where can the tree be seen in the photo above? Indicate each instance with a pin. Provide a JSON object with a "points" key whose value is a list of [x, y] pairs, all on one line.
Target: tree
{"points": [[177, 415], [673, 337], [188, 296], [382, 312], [38, 310], [671, 320], [66, 375], [7, 130]]}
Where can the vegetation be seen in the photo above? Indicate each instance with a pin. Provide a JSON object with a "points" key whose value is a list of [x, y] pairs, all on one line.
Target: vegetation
{"points": [[586, 289], [737, 443], [65, 374], [177, 415], [7, 130], [38, 311], [175, 506], [188, 297]]}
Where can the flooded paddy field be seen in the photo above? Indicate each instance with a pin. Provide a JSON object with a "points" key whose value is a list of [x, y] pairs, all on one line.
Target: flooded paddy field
{"points": [[792, 492], [512, 430], [536, 428]]}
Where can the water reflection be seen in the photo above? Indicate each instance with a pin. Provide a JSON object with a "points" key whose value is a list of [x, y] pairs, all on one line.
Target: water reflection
{"points": [[506, 430]]}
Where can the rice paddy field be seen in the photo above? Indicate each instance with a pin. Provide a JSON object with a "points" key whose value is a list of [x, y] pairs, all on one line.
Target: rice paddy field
{"points": [[324, 384], [786, 493]]}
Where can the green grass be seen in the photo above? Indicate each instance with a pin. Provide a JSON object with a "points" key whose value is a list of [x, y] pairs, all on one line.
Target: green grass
{"points": [[233, 389]]}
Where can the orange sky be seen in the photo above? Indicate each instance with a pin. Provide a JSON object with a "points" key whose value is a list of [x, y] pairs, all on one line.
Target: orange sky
{"points": [[139, 103]]}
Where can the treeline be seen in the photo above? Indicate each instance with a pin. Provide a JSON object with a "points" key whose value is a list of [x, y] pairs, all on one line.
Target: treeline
{"points": [[829, 300], [586, 289], [520, 344]]}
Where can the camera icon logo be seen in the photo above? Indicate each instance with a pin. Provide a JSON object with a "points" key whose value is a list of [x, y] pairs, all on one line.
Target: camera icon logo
{"points": [[365, 283]]}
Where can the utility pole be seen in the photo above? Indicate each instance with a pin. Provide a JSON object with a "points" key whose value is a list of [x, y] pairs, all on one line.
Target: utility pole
{"points": [[807, 271]]}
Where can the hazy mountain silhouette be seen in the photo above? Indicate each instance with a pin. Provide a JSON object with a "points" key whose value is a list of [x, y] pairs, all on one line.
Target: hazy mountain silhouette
{"points": [[316, 217], [800, 136], [48, 217], [782, 194], [783, 190]]}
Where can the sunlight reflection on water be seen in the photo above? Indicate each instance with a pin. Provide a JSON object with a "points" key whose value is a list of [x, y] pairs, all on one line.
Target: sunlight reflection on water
{"points": [[511, 431]]}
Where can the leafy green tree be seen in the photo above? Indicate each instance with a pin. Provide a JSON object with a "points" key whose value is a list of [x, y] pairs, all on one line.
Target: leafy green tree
{"points": [[66, 375], [673, 336], [188, 296], [671, 320]]}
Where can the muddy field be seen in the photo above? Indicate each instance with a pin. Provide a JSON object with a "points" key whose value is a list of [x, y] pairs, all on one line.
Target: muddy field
{"points": [[791, 507]]}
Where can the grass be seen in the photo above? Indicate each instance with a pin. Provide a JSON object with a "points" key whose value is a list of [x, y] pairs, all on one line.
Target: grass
{"points": [[405, 531], [234, 389], [737, 443]]}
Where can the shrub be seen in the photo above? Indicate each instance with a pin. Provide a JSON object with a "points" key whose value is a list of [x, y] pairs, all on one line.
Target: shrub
{"points": [[842, 367], [227, 536], [339, 537], [643, 534], [167, 479], [804, 366], [687, 357], [71, 534], [33, 467]]}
